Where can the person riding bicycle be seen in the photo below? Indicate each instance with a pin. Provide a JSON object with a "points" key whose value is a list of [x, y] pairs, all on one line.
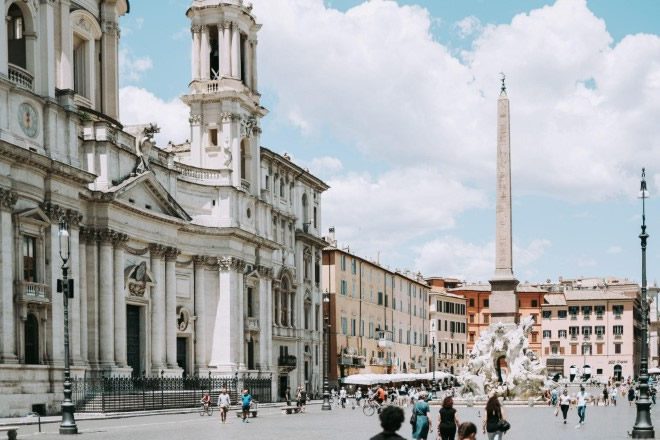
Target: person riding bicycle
{"points": [[206, 400], [380, 395]]}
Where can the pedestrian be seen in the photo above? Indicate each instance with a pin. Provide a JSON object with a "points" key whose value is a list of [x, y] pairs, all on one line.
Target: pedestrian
{"points": [[303, 399], [606, 396], [448, 420], [494, 415], [391, 419], [380, 394], [582, 400], [358, 396], [564, 404], [631, 395], [422, 425], [223, 405], [613, 393], [246, 401], [342, 397], [554, 395], [467, 431]]}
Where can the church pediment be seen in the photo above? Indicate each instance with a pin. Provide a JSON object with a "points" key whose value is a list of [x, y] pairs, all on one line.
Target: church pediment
{"points": [[33, 215], [145, 193]]}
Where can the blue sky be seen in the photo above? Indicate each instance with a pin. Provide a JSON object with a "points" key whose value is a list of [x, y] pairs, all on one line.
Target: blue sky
{"points": [[393, 103]]}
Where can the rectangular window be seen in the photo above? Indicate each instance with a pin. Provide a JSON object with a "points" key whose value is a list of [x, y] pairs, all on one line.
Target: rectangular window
{"points": [[599, 348], [573, 311], [547, 314], [618, 311], [547, 334], [316, 355], [573, 331], [343, 262], [439, 324], [213, 139], [317, 313], [344, 287], [471, 302], [471, 318], [250, 310], [362, 328], [586, 330], [573, 348], [562, 333], [600, 311], [371, 329], [561, 314], [535, 303], [586, 349], [586, 311], [452, 326], [534, 336], [617, 330], [354, 266], [380, 298], [344, 326], [353, 326], [29, 259], [471, 337], [486, 302], [315, 220], [599, 330], [617, 348], [486, 318]]}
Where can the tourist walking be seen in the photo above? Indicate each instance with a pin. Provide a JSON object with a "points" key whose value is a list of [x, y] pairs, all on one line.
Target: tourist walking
{"points": [[582, 400], [246, 401], [358, 396], [420, 410], [631, 395], [391, 419], [564, 404], [448, 420], [494, 421], [302, 399], [554, 395], [287, 396], [467, 431], [613, 392], [606, 396], [223, 405], [342, 397]]}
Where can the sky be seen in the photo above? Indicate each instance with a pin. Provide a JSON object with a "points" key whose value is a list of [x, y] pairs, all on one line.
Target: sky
{"points": [[393, 104]]}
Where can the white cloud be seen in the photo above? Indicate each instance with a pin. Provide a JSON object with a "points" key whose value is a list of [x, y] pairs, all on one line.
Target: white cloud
{"points": [[468, 26], [385, 212], [451, 256], [376, 78], [139, 106], [325, 165], [181, 34], [614, 250], [131, 68]]}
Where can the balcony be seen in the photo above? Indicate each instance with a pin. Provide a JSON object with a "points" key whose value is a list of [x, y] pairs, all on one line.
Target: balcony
{"points": [[599, 316], [587, 337], [599, 336], [618, 336], [20, 77], [384, 344], [251, 324], [573, 317], [29, 292], [287, 362], [381, 362], [573, 337], [351, 361], [198, 175], [618, 316]]}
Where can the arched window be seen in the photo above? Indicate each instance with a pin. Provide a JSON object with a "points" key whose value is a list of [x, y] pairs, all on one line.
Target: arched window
{"points": [[16, 37], [31, 340], [86, 32], [20, 44], [284, 297]]}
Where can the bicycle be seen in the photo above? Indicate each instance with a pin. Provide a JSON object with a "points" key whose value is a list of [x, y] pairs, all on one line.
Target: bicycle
{"points": [[206, 410], [370, 407]]}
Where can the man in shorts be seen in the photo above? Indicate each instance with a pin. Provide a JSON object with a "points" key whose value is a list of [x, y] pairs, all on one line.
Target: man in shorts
{"points": [[246, 400]]}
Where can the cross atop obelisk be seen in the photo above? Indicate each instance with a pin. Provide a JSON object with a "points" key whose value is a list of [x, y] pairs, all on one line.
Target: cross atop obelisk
{"points": [[503, 302]]}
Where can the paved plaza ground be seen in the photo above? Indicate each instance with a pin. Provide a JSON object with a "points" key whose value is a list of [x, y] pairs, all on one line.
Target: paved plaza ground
{"points": [[527, 423]]}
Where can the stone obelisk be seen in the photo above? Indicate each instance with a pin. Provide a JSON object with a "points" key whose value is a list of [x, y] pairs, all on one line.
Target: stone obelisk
{"points": [[503, 302]]}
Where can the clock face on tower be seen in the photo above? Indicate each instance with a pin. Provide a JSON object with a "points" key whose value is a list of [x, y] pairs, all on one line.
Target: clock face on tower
{"points": [[28, 119]]}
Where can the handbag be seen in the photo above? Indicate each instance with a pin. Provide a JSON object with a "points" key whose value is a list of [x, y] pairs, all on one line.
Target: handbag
{"points": [[413, 417], [503, 425]]}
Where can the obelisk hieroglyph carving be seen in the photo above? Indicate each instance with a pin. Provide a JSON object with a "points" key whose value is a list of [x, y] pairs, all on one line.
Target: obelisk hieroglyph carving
{"points": [[503, 302]]}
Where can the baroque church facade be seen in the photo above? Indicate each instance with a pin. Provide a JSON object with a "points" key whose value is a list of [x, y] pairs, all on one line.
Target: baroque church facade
{"points": [[194, 258]]}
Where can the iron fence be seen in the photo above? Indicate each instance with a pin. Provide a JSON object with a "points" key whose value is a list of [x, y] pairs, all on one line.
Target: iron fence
{"points": [[122, 394]]}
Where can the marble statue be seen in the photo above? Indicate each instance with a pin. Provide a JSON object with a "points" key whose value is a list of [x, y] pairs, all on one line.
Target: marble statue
{"points": [[501, 362]]}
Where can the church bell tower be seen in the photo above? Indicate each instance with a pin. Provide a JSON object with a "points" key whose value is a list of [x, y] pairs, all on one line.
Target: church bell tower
{"points": [[223, 97]]}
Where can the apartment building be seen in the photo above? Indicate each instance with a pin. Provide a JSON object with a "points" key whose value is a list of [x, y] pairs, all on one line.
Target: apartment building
{"points": [[378, 318], [447, 324]]}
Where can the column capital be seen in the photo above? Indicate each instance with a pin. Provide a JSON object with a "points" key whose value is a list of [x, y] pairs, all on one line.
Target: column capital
{"points": [[226, 24], [111, 27], [119, 239], [231, 263], [196, 28], [264, 271], [195, 119], [157, 250], [57, 213], [106, 236], [171, 253], [199, 260], [8, 199]]}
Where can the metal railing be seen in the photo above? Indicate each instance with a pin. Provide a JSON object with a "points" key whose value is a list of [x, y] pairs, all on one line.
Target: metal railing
{"points": [[122, 394]]}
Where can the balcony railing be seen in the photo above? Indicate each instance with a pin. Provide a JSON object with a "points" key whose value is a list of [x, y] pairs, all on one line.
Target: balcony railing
{"points": [[573, 317], [28, 292], [288, 361], [245, 185], [599, 316], [351, 361], [198, 174], [252, 324], [618, 336], [20, 77], [381, 362]]}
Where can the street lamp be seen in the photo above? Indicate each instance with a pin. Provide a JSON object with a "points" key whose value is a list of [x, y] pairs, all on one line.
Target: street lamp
{"points": [[326, 391], [643, 427], [68, 425], [435, 386]]}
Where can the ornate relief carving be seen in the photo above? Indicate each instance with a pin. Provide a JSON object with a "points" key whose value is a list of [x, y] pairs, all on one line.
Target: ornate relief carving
{"points": [[171, 253], [119, 239], [247, 126], [157, 250], [195, 28], [183, 318], [111, 27], [199, 260], [56, 213], [138, 278], [8, 198], [195, 119], [229, 116], [266, 272], [231, 263]]}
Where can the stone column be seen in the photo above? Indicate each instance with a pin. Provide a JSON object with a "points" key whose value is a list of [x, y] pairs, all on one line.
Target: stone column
{"points": [[248, 64], [226, 49], [201, 357], [106, 300], [157, 309], [47, 54], [4, 56], [227, 335], [204, 54], [120, 301], [221, 49], [254, 69], [7, 317], [292, 320], [81, 291], [66, 50], [239, 314], [196, 47], [170, 306], [235, 52], [264, 361], [92, 334], [90, 58], [110, 73], [74, 304]]}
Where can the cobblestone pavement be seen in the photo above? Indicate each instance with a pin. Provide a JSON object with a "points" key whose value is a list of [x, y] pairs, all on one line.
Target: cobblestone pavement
{"points": [[527, 423]]}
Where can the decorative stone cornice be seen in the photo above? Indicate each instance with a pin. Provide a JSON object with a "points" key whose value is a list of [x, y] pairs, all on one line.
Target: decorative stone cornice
{"points": [[119, 239], [57, 213], [157, 250], [8, 199], [266, 272]]}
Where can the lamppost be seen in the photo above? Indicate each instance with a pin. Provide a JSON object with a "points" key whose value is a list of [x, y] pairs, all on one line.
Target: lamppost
{"points": [[326, 357], [643, 427], [68, 425], [435, 386]]}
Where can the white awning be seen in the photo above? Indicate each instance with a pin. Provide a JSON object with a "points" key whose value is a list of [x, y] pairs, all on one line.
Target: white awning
{"points": [[372, 379]]}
